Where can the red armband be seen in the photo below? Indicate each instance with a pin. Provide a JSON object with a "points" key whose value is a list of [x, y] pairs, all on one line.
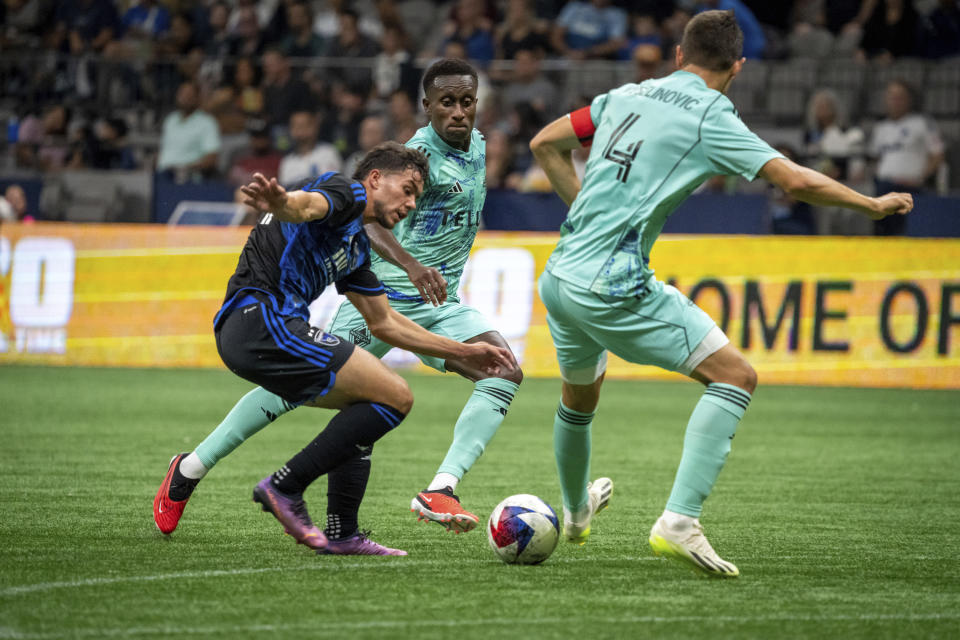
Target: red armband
{"points": [[583, 125]]}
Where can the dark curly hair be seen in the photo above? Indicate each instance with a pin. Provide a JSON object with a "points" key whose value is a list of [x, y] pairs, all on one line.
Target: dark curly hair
{"points": [[392, 157]]}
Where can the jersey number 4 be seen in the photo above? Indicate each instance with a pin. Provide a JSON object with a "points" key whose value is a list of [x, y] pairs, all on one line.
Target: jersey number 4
{"points": [[623, 157]]}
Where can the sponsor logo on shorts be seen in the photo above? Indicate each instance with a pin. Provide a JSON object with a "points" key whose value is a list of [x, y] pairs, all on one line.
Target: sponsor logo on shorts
{"points": [[360, 336]]}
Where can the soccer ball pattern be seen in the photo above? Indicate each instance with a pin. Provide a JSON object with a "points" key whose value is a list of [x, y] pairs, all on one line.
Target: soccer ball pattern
{"points": [[523, 529]]}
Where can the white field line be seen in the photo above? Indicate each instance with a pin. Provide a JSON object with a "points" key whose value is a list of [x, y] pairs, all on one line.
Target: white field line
{"points": [[374, 563], [460, 623]]}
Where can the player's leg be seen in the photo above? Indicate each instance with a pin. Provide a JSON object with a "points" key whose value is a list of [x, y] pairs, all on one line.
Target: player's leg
{"points": [[346, 485], [582, 363], [730, 382], [478, 422], [372, 400], [665, 329]]}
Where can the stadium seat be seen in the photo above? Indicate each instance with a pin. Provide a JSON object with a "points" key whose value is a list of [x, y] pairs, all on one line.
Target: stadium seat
{"points": [[97, 196], [944, 74], [787, 103], [799, 74]]}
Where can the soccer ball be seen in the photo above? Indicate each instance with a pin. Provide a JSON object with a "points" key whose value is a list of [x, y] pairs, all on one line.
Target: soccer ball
{"points": [[523, 529]]}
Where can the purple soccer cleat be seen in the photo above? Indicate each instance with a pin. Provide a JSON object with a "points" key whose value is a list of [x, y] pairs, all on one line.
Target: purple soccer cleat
{"points": [[291, 511], [359, 544]]}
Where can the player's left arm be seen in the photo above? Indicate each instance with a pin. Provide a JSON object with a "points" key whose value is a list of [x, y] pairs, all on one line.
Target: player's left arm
{"points": [[428, 280], [294, 206], [553, 147]]}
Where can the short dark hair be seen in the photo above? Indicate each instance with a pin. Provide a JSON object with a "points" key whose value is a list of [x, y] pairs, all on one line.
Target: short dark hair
{"points": [[712, 40], [448, 67], [392, 157]]}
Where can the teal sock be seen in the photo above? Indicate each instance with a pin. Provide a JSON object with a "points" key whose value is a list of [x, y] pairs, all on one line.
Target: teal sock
{"points": [[571, 447], [706, 445], [253, 412], [478, 422]]}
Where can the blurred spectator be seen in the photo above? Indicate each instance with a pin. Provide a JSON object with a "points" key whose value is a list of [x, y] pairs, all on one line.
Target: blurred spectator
{"points": [[309, 157], [42, 143], [646, 62], [672, 29], [104, 146], [238, 100], [589, 30], [789, 216], [472, 29], [142, 24], [350, 42], [190, 142], [393, 69], [940, 30], [301, 42], [83, 26], [373, 131], [342, 128], [13, 205], [283, 93], [837, 150], [908, 150], [529, 86], [890, 31], [261, 158], [25, 21], [218, 41], [247, 39], [643, 30], [326, 21], [179, 55], [754, 40], [501, 173], [404, 120], [521, 30]]}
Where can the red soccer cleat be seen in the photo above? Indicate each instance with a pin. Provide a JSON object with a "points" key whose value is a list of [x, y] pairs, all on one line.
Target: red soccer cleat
{"points": [[167, 511], [442, 507]]}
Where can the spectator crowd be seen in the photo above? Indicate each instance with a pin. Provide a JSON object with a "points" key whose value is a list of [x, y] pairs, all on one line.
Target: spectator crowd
{"points": [[218, 89]]}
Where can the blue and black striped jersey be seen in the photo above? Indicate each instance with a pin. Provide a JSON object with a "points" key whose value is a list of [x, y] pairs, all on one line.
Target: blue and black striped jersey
{"points": [[294, 263]]}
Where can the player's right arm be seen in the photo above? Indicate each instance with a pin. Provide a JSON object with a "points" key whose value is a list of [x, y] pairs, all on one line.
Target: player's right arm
{"points": [[398, 330], [428, 280], [294, 206], [817, 189], [553, 147]]}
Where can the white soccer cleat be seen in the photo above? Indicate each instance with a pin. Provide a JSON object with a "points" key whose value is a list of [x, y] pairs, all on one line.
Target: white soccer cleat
{"points": [[578, 529], [689, 545]]}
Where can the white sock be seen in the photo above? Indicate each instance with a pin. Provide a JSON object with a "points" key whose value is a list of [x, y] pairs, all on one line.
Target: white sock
{"points": [[677, 521], [442, 480], [579, 516], [192, 468]]}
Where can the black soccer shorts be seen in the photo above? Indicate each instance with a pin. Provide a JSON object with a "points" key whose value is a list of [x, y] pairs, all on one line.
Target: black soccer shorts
{"points": [[282, 354]]}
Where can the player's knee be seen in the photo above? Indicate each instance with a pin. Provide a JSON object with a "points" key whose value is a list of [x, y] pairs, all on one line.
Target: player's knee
{"points": [[401, 397], [514, 375], [747, 378]]}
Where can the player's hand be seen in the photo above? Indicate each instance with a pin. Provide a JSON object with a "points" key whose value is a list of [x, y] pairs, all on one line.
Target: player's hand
{"points": [[264, 195], [430, 283], [890, 204], [490, 359]]}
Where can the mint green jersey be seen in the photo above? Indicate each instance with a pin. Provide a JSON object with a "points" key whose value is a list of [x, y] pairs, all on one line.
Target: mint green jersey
{"points": [[440, 231], [655, 142]]}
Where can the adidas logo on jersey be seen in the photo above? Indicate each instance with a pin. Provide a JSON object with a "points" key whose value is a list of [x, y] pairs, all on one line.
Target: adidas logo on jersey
{"points": [[456, 188]]}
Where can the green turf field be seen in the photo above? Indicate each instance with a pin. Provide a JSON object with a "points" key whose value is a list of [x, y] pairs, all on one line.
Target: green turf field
{"points": [[839, 506]]}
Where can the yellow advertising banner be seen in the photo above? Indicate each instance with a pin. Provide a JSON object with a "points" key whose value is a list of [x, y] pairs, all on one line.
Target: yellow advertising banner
{"points": [[830, 311]]}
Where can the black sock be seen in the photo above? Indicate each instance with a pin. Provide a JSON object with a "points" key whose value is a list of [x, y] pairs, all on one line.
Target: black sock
{"points": [[345, 488], [181, 487], [359, 425]]}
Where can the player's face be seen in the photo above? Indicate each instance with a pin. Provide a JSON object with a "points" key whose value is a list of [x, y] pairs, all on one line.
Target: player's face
{"points": [[451, 105], [394, 196]]}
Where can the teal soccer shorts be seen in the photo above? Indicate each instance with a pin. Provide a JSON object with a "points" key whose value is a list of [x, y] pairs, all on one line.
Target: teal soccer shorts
{"points": [[451, 319], [662, 328]]}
